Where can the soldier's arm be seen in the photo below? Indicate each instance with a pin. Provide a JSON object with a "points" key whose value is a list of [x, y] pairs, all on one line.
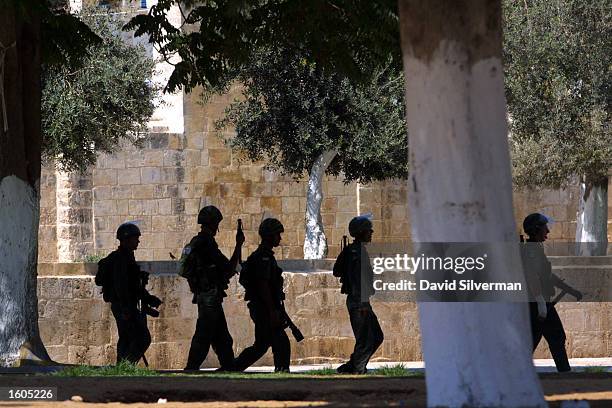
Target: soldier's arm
{"points": [[233, 262], [339, 265]]}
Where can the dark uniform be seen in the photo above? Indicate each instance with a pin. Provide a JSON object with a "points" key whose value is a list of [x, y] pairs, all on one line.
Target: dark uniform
{"points": [[211, 283], [537, 264], [125, 295], [261, 267], [357, 285]]}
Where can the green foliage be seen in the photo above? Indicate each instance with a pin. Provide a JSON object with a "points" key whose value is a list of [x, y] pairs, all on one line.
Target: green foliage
{"points": [[123, 369], [293, 111], [92, 258], [558, 86], [88, 109], [347, 36]]}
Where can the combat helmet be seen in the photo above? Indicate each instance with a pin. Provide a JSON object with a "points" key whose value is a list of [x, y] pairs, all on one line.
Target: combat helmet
{"points": [[127, 230], [209, 215], [270, 226], [533, 222]]}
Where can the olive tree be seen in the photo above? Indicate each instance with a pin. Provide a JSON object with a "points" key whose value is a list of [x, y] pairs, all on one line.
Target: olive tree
{"points": [[558, 86], [300, 119]]}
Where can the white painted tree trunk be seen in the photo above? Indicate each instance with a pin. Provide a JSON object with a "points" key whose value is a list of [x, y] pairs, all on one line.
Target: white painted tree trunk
{"points": [[592, 218], [19, 188], [476, 354], [315, 242]]}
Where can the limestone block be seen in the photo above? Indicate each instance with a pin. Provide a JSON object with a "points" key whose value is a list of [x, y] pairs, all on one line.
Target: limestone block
{"points": [[192, 206], [123, 191], [84, 354], [347, 204], [290, 204], [143, 207], [105, 207], [153, 158], [102, 192], [150, 175], [104, 177], [105, 240], [219, 157], [83, 288], [57, 353], [164, 206], [123, 207], [195, 140], [52, 331], [229, 175]]}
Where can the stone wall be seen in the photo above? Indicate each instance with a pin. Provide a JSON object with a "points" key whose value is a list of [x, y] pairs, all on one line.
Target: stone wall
{"points": [[77, 326]]}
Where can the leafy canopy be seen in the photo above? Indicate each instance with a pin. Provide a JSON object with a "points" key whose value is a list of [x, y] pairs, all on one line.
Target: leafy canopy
{"points": [[293, 111], [348, 36], [558, 86], [88, 109]]}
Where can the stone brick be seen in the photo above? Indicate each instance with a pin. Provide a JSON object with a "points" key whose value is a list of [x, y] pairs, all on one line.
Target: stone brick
{"points": [[157, 141], [165, 206], [102, 192], [128, 176], [143, 191], [290, 204], [154, 158], [123, 208], [105, 177], [105, 207], [273, 204], [195, 140], [119, 192], [150, 175], [219, 157]]}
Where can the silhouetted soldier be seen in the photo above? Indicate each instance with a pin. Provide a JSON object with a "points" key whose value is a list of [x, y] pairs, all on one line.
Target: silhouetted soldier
{"points": [[353, 268], [541, 282], [208, 273], [263, 281], [123, 285]]}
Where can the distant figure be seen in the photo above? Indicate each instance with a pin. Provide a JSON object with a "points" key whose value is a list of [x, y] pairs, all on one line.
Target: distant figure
{"points": [[541, 282], [208, 272], [124, 286], [353, 268], [263, 282]]}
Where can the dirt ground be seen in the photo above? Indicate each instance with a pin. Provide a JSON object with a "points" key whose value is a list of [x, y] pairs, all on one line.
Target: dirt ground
{"points": [[200, 391]]}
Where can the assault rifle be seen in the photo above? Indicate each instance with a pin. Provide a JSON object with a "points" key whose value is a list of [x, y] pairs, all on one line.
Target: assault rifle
{"points": [[297, 334]]}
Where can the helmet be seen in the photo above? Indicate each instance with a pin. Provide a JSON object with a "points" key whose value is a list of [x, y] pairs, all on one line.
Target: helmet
{"points": [[127, 230], [209, 214], [359, 224], [533, 222], [270, 226]]}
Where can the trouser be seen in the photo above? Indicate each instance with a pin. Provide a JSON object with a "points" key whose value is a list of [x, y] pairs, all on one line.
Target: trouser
{"points": [[211, 330], [134, 337], [552, 330], [368, 334], [266, 336]]}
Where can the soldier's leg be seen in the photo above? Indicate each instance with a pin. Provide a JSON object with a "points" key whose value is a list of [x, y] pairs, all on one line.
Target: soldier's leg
{"points": [[200, 342], [222, 341], [359, 323], [536, 325], [262, 341], [140, 338], [555, 337], [375, 335], [281, 351], [122, 333]]}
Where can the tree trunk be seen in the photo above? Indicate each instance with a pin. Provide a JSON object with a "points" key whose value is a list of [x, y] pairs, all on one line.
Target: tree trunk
{"points": [[19, 186], [592, 218], [315, 243], [476, 354]]}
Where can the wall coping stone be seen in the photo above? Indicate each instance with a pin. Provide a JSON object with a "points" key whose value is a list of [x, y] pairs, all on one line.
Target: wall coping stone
{"points": [[288, 265]]}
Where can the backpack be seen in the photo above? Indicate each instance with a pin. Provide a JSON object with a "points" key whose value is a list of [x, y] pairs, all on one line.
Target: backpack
{"points": [[104, 277], [188, 264]]}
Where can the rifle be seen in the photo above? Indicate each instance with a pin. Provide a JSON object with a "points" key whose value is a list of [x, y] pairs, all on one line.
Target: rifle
{"points": [[297, 334]]}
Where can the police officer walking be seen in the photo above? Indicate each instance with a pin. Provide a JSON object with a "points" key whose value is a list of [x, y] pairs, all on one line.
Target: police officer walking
{"points": [[541, 282], [123, 285], [212, 271], [263, 281], [353, 268]]}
